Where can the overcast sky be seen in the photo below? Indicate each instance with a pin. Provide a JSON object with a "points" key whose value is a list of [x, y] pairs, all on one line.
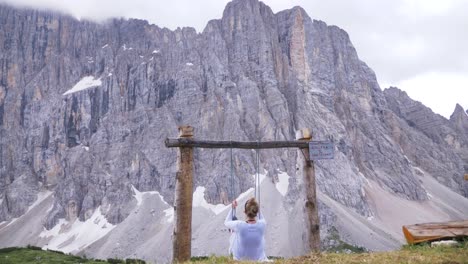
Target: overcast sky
{"points": [[420, 46]]}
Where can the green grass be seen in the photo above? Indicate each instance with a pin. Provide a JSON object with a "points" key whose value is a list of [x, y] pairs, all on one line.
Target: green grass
{"points": [[35, 255], [30, 255], [340, 246], [418, 254]]}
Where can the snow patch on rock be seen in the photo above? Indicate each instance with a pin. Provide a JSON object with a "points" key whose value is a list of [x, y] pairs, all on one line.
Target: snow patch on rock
{"points": [[71, 237], [140, 195], [85, 83], [429, 195], [365, 179], [200, 201], [169, 213], [283, 183], [125, 47], [243, 195], [261, 177], [41, 196]]}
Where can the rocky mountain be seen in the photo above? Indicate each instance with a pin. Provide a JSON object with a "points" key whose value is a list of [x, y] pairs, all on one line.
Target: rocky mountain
{"points": [[85, 109]]}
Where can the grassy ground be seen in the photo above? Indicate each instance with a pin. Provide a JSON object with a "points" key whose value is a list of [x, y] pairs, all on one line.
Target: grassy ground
{"points": [[28, 255], [35, 255], [427, 255], [409, 254]]}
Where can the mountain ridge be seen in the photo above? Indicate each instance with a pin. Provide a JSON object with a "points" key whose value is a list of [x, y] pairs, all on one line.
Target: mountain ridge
{"points": [[245, 77]]}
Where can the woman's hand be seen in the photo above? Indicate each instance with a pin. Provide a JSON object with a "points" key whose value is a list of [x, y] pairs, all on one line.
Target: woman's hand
{"points": [[234, 204]]}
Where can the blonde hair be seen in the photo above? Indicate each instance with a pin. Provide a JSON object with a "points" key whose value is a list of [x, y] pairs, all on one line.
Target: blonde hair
{"points": [[251, 208]]}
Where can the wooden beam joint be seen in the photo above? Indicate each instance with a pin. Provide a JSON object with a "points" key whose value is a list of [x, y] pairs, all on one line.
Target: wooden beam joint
{"points": [[186, 131]]}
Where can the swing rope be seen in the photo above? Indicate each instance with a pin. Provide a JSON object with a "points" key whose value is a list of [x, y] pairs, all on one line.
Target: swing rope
{"points": [[232, 183], [257, 175]]}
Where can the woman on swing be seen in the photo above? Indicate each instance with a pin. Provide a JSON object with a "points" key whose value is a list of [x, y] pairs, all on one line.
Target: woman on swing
{"points": [[248, 241]]}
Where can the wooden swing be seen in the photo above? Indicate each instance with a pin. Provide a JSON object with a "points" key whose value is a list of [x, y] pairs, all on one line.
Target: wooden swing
{"points": [[182, 236]]}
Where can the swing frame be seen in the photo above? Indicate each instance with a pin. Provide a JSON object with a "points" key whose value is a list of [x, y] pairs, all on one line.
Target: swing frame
{"points": [[182, 235]]}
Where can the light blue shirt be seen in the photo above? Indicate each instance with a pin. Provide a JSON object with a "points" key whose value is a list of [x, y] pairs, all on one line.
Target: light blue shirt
{"points": [[248, 242]]}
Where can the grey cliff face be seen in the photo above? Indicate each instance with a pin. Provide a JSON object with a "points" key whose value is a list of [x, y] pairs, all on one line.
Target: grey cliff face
{"points": [[442, 149], [252, 75], [459, 120]]}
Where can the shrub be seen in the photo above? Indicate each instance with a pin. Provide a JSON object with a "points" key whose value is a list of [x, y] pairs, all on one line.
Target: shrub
{"points": [[56, 251], [135, 261], [9, 249], [115, 261], [33, 247]]}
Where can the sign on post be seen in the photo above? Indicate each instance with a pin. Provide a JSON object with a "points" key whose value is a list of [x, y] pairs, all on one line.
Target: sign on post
{"points": [[319, 150]]}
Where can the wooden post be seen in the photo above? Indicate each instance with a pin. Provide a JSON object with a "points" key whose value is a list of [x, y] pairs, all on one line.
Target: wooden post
{"points": [[466, 176], [311, 205], [182, 237]]}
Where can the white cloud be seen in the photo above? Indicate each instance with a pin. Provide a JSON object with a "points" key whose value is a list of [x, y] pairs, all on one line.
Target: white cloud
{"points": [[170, 14], [438, 91], [400, 40], [429, 8]]}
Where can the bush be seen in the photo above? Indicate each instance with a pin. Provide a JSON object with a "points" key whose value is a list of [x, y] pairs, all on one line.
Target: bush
{"points": [[199, 258], [135, 261], [33, 247], [115, 261], [9, 249], [56, 251]]}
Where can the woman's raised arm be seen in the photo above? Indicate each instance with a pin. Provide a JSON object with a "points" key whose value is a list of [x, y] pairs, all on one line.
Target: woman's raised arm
{"points": [[228, 222]]}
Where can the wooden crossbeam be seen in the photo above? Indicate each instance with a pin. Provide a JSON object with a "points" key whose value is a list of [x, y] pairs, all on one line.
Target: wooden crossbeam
{"points": [[192, 143]]}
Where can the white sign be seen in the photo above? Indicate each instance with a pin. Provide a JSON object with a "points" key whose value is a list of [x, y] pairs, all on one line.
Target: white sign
{"points": [[319, 150]]}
